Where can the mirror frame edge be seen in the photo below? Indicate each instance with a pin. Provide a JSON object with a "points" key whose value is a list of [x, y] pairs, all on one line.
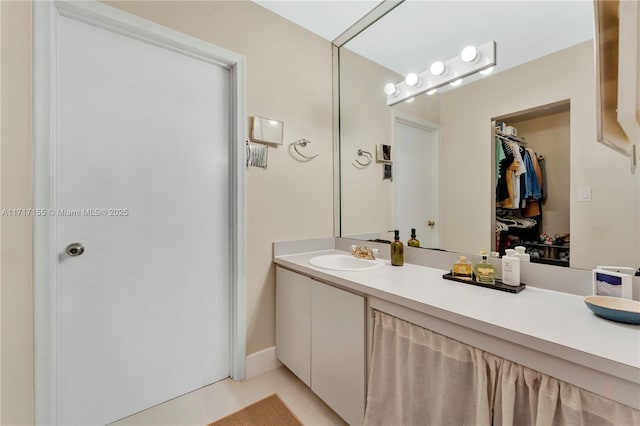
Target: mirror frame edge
{"points": [[337, 199], [379, 11], [600, 132]]}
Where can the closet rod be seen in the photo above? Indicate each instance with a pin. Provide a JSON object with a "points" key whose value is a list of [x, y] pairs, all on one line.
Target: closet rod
{"points": [[511, 138]]}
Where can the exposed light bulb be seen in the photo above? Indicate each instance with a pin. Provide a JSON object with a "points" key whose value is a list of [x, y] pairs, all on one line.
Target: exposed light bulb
{"points": [[432, 91], [412, 79], [456, 83], [410, 100], [390, 89], [487, 71], [469, 54], [437, 68]]}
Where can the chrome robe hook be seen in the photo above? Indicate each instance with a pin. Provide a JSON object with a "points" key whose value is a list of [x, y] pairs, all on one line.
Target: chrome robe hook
{"points": [[367, 157], [302, 143]]}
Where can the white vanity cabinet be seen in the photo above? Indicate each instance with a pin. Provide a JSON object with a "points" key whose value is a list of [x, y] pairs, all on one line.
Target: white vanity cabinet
{"points": [[293, 322], [320, 336], [550, 333], [338, 350]]}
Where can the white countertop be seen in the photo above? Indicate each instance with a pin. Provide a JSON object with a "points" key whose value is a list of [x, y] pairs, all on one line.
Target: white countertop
{"points": [[555, 323]]}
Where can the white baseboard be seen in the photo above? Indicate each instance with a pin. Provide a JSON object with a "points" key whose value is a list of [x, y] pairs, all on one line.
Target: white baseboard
{"points": [[261, 362]]}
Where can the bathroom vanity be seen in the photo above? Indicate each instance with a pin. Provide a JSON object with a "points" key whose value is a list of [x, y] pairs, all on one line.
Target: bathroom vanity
{"points": [[320, 336], [323, 327]]}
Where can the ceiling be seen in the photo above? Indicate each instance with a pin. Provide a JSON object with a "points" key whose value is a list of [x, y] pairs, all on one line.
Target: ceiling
{"points": [[327, 18], [417, 33]]}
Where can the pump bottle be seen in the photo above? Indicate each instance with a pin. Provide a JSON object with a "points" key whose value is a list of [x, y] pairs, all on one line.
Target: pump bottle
{"points": [[397, 250], [511, 268]]}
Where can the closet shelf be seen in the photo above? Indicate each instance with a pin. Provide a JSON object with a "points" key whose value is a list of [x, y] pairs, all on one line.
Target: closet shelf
{"points": [[547, 261], [550, 254], [542, 245]]}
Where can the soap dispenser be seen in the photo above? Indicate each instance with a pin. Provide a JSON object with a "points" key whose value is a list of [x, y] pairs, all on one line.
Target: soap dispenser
{"points": [[511, 268], [397, 250], [413, 242]]}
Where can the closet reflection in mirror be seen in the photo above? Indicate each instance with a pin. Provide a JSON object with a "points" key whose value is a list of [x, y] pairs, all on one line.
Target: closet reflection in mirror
{"points": [[460, 167], [532, 183]]}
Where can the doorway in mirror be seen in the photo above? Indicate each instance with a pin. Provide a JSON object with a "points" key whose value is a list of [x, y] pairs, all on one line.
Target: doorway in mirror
{"points": [[415, 178]]}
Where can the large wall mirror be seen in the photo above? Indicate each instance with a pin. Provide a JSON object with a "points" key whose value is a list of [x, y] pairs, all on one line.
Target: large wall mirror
{"points": [[446, 157]]}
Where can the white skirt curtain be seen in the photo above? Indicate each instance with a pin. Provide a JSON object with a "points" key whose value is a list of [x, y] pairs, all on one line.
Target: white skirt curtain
{"points": [[418, 377]]}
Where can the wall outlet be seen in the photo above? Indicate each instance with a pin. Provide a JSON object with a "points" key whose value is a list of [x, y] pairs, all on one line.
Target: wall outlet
{"points": [[584, 194]]}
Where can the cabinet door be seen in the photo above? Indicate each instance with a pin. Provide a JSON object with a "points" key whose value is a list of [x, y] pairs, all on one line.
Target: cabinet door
{"points": [[293, 322], [338, 350]]}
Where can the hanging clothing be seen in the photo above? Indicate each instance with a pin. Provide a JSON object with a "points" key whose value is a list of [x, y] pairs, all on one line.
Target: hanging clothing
{"points": [[520, 177], [532, 185], [500, 155], [543, 174], [523, 198], [502, 188], [532, 209], [513, 187], [518, 157], [520, 189], [536, 166]]}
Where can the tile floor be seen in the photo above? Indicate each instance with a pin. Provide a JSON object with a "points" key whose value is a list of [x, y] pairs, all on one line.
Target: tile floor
{"points": [[212, 402]]}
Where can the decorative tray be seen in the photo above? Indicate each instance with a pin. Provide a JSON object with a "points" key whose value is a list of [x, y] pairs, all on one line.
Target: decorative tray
{"points": [[499, 285]]}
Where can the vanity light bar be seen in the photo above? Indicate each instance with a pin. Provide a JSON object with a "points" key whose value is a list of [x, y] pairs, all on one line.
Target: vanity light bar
{"points": [[454, 69]]}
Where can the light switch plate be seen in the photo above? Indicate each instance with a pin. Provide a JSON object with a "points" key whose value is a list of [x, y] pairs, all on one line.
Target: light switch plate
{"points": [[584, 194]]}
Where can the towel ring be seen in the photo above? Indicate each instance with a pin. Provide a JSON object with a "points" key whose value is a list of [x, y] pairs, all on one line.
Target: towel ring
{"points": [[367, 155], [302, 143]]}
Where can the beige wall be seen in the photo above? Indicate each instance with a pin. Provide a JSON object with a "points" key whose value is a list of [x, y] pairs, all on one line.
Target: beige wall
{"points": [[550, 136], [288, 78], [16, 319], [365, 121], [603, 231]]}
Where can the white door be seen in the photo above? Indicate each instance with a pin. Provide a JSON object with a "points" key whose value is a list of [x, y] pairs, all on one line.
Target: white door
{"points": [[142, 173], [415, 181]]}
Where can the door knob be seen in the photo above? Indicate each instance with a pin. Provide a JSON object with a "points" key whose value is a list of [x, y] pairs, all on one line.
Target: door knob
{"points": [[74, 249], [431, 223]]}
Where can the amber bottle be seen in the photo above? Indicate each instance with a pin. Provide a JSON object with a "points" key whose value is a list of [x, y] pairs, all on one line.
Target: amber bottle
{"points": [[397, 250], [413, 242]]}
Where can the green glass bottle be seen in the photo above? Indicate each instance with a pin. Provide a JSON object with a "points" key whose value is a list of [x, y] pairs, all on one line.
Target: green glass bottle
{"points": [[413, 242], [397, 250], [484, 271]]}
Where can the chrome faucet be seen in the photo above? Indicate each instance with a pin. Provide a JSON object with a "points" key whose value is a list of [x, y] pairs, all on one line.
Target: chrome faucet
{"points": [[363, 252]]}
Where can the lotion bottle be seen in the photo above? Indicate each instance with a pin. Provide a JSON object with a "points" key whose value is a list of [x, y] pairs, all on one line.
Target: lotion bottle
{"points": [[511, 268], [522, 255], [397, 250]]}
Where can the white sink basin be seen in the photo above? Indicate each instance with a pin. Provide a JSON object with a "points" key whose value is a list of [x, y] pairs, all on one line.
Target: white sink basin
{"points": [[344, 262]]}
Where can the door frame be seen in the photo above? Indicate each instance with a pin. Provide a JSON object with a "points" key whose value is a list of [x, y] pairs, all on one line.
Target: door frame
{"points": [[399, 117], [45, 265]]}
